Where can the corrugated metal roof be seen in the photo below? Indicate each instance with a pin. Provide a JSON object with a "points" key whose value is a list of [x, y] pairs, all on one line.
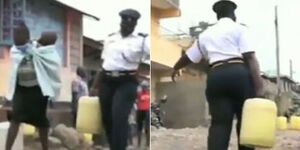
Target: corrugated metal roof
{"points": [[76, 8]]}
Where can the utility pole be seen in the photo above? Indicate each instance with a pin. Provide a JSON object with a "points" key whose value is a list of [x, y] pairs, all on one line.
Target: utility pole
{"points": [[277, 51], [291, 69]]}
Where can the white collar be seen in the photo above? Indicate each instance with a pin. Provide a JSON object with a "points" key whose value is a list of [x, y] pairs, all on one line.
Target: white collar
{"points": [[225, 20], [134, 34]]}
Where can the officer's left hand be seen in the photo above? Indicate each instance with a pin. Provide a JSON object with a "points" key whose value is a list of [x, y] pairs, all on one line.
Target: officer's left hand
{"points": [[260, 93], [174, 73], [94, 92]]}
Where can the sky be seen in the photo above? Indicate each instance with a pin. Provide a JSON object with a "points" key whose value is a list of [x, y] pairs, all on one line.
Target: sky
{"points": [[108, 12], [259, 16]]}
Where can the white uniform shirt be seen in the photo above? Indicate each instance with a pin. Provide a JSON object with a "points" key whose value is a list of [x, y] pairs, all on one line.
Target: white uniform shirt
{"points": [[226, 39], [121, 54]]}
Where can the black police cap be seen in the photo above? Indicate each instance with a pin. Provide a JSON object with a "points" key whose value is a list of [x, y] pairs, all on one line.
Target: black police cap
{"points": [[130, 13], [218, 5]]}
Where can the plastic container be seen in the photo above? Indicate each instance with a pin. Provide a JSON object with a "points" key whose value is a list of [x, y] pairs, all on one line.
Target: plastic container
{"points": [[89, 118], [28, 129], [282, 123], [88, 137], [19, 141], [295, 123], [258, 123]]}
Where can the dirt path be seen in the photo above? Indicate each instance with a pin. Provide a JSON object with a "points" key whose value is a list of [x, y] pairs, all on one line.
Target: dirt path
{"points": [[195, 139]]}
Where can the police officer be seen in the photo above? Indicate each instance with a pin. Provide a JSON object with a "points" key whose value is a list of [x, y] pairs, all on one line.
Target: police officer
{"points": [[234, 72], [116, 82]]}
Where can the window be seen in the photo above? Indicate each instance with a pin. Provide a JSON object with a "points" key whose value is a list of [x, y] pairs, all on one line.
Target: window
{"points": [[11, 14], [1, 53]]}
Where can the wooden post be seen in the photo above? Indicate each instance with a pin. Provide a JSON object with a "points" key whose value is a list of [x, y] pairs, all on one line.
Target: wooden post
{"points": [[277, 51]]}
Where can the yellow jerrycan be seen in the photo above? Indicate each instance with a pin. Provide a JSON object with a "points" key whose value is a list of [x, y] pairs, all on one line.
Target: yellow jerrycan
{"points": [[295, 123], [28, 129], [89, 117], [258, 123], [282, 123], [88, 137]]}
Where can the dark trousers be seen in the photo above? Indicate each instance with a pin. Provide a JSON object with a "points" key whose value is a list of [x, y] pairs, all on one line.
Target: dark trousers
{"points": [[143, 120], [228, 87], [117, 96], [74, 106]]}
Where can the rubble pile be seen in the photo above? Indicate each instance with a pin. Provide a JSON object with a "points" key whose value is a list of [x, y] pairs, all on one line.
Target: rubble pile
{"points": [[69, 138], [296, 108], [65, 138], [61, 138]]}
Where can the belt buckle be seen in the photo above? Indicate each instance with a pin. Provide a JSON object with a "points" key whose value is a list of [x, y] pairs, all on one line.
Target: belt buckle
{"points": [[218, 64], [115, 73]]}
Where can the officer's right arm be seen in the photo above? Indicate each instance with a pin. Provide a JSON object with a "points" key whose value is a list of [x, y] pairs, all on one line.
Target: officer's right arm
{"points": [[96, 83], [95, 88]]}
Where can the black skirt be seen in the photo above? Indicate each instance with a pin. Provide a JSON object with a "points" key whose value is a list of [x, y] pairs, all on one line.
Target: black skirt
{"points": [[29, 106]]}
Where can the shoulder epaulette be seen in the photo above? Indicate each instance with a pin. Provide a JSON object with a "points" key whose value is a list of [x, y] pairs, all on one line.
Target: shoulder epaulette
{"points": [[143, 34], [112, 34], [242, 24]]}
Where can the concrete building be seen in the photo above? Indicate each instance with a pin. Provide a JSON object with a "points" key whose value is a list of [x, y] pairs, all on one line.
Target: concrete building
{"points": [[164, 53], [40, 16]]}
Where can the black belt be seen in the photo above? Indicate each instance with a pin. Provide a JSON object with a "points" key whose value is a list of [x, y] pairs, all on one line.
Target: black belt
{"points": [[119, 73], [236, 60]]}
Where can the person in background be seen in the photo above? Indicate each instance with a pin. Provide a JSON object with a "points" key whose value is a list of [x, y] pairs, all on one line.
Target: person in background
{"points": [[79, 89], [132, 125], [91, 79], [143, 112], [34, 81], [234, 74]]}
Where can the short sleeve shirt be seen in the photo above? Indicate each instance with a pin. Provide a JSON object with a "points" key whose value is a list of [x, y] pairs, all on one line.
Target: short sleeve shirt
{"points": [[124, 53], [224, 40]]}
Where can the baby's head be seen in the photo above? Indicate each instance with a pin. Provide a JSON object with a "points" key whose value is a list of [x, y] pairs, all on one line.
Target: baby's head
{"points": [[47, 38]]}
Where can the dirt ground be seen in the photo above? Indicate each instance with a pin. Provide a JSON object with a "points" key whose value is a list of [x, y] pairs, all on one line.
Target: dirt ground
{"points": [[195, 139], [192, 139], [34, 144]]}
